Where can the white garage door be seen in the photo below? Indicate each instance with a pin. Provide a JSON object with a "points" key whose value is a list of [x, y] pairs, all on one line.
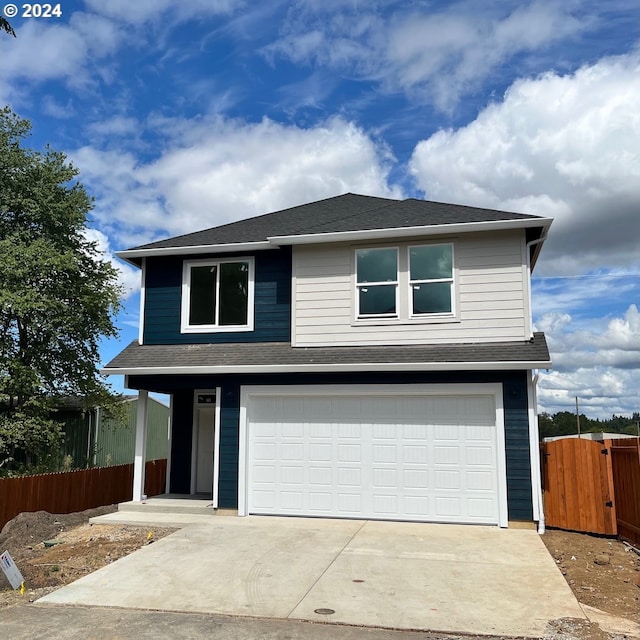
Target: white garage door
{"points": [[406, 457]]}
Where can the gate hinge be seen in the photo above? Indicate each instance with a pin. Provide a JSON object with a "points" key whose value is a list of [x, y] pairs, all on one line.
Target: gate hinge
{"points": [[608, 503], [605, 452]]}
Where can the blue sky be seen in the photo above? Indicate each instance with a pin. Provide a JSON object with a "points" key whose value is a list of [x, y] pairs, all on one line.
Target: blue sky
{"points": [[185, 115]]}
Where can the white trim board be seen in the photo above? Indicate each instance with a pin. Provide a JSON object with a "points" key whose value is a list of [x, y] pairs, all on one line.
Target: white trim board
{"points": [[331, 367]]}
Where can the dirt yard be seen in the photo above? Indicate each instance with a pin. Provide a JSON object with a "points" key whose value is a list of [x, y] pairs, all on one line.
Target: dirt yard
{"points": [[54, 550], [602, 572]]}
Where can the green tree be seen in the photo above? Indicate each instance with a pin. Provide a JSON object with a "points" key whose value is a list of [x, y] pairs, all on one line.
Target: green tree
{"points": [[58, 298], [5, 26]]}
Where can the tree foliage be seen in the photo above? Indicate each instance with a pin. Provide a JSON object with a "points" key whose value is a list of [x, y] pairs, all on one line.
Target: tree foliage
{"points": [[565, 423], [5, 26], [58, 298]]}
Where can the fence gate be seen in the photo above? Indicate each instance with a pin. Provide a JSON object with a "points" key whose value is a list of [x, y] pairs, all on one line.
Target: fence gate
{"points": [[625, 461], [578, 486]]}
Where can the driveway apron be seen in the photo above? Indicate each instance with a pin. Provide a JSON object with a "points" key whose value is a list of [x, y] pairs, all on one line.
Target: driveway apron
{"points": [[449, 578]]}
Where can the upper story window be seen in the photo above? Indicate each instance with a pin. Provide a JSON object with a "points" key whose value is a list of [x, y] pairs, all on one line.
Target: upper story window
{"points": [[415, 282], [431, 279], [217, 295], [377, 282]]}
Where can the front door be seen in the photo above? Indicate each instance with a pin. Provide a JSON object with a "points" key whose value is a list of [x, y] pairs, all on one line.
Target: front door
{"points": [[205, 424]]}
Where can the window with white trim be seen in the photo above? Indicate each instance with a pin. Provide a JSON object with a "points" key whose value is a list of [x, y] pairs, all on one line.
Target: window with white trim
{"points": [[377, 282], [217, 295], [405, 283], [431, 279]]}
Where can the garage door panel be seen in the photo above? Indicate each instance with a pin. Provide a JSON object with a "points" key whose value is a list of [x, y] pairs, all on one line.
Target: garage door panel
{"points": [[350, 476], [263, 473], [479, 508], [480, 456], [321, 476], [384, 457], [292, 475], [480, 480], [264, 451], [320, 502], [349, 503], [385, 453], [417, 507], [384, 478], [349, 453], [447, 507], [415, 479], [320, 452], [385, 505], [415, 454]]}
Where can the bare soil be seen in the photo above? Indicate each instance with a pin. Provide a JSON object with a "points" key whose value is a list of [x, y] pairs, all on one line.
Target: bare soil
{"points": [[602, 572], [54, 550]]}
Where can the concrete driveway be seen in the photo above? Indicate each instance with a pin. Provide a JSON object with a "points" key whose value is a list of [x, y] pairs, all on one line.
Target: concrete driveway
{"points": [[448, 578]]}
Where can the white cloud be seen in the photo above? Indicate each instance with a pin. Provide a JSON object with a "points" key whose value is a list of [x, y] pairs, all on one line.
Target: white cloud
{"points": [[115, 126], [601, 392], [449, 54], [217, 170], [142, 11], [437, 56], [597, 360], [561, 146], [44, 50]]}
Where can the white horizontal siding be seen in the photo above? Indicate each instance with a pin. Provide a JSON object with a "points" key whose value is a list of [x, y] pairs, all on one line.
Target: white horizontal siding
{"points": [[492, 302]]}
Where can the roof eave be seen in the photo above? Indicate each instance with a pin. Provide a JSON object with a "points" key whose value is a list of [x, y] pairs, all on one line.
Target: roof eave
{"points": [[400, 232], [133, 256], [331, 368]]}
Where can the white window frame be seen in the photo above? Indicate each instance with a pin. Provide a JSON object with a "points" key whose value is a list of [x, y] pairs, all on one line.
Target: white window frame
{"points": [[412, 283], [364, 285], [185, 327], [404, 299]]}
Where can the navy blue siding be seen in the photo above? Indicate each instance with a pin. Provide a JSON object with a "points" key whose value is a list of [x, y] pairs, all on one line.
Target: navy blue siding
{"points": [[515, 407], [517, 445], [272, 301], [229, 418]]}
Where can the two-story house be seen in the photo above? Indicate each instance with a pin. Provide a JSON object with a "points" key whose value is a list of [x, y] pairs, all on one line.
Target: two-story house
{"points": [[355, 357]]}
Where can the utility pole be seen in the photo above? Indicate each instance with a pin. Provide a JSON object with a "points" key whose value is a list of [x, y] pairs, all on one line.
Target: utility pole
{"points": [[578, 417]]}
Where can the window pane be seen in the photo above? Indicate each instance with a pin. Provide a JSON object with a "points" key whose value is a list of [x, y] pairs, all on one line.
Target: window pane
{"points": [[429, 263], [434, 297], [202, 305], [234, 293], [377, 300], [377, 265]]}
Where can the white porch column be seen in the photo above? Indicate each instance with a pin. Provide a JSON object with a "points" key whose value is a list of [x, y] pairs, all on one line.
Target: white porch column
{"points": [[141, 446], [167, 488]]}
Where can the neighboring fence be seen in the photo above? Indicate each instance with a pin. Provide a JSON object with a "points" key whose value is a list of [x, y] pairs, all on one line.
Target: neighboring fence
{"points": [[115, 443], [593, 486], [94, 440], [76, 490]]}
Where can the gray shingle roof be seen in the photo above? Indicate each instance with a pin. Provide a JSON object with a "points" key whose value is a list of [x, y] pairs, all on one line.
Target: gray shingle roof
{"points": [[269, 356], [348, 212]]}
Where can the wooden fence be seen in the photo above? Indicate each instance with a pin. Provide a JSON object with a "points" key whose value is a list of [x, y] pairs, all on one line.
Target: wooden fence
{"points": [[593, 486], [625, 461], [76, 490]]}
